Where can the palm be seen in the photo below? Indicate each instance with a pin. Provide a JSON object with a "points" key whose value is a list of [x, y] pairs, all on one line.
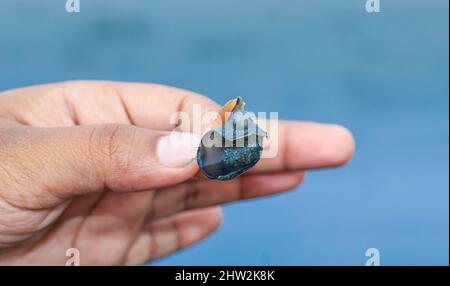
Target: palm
{"points": [[135, 227]]}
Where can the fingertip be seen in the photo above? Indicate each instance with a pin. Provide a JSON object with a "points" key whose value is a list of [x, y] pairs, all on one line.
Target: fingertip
{"points": [[178, 149], [343, 144], [213, 217], [301, 178], [199, 223], [288, 181], [217, 215]]}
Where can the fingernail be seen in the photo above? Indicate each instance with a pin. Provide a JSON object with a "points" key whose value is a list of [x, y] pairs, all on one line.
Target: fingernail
{"points": [[177, 149]]}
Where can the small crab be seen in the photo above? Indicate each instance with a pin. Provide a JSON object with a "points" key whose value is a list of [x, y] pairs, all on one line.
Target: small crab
{"points": [[233, 145]]}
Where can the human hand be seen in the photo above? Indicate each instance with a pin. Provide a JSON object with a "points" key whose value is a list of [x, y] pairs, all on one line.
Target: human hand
{"points": [[82, 166]]}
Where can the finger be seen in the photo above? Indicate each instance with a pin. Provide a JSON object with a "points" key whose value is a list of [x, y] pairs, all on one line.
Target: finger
{"points": [[167, 105], [171, 234], [200, 194], [58, 163], [306, 145], [112, 225], [95, 102]]}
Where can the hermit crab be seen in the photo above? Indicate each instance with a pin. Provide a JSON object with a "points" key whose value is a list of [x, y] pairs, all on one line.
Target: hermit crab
{"points": [[233, 145]]}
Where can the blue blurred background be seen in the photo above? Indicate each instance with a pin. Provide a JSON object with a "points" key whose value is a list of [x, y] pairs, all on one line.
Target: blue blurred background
{"points": [[383, 75]]}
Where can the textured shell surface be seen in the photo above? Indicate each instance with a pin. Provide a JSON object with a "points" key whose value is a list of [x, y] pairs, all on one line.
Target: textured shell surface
{"points": [[241, 123], [231, 149]]}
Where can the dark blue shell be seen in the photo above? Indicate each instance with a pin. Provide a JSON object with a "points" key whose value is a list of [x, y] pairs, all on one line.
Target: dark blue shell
{"points": [[232, 149]]}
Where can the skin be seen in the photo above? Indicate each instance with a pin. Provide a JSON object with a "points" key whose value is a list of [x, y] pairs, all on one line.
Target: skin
{"points": [[78, 169]]}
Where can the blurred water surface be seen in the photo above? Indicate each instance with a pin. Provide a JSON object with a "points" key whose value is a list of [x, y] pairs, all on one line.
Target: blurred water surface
{"points": [[384, 76]]}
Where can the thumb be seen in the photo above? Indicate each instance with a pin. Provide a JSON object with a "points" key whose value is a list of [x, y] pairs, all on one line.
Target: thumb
{"points": [[57, 163]]}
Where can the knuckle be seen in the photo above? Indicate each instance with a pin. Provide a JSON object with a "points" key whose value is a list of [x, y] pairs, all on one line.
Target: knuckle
{"points": [[113, 142]]}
